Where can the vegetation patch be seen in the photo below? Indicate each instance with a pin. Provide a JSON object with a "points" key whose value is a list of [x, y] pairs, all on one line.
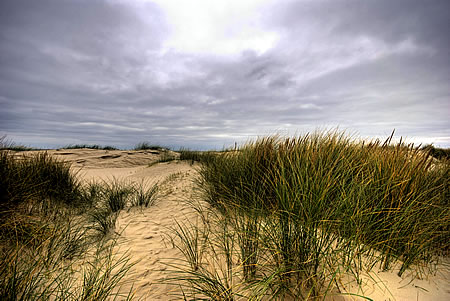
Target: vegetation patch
{"points": [[10, 145], [89, 146], [57, 234], [290, 217], [436, 152], [148, 146], [196, 156]]}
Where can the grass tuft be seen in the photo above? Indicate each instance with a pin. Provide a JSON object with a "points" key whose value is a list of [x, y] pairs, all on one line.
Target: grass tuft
{"points": [[6, 145], [196, 156], [145, 197], [436, 152], [148, 146], [50, 224], [89, 146]]}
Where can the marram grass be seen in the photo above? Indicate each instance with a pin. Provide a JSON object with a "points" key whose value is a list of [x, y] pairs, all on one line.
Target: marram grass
{"points": [[392, 198], [49, 221], [298, 213]]}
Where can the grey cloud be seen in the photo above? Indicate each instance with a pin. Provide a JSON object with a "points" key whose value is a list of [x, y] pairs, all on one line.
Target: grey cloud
{"points": [[425, 21], [73, 42], [92, 72], [64, 55]]}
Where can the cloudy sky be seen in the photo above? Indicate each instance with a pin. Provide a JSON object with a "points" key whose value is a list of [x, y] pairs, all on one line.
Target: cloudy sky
{"points": [[204, 74]]}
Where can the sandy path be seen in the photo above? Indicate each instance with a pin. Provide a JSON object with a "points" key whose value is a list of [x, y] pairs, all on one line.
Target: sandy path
{"points": [[144, 231]]}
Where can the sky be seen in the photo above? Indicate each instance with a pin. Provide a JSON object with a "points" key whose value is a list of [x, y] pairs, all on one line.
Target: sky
{"points": [[205, 74]]}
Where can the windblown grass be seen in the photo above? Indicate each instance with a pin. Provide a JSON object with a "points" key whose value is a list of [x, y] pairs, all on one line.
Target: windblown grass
{"points": [[145, 197], [18, 148], [36, 182], [45, 272], [298, 213], [90, 146], [56, 239], [167, 157], [116, 194], [437, 152], [6, 144], [196, 156], [148, 146]]}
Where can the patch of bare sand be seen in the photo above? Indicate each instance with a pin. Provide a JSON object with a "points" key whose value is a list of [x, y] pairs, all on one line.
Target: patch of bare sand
{"points": [[143, 231]]}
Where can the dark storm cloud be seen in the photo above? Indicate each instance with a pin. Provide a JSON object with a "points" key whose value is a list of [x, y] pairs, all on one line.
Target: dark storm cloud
{"points": [[97, 72]]}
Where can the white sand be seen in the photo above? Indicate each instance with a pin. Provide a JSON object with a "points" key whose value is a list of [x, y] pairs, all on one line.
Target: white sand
{"points": [[144, 231]]}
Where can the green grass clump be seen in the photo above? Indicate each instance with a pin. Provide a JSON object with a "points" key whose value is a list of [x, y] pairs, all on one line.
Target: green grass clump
{"points": [[37, 182], [436, 152], [6, 145], [89, 146], [51, 224], [110, 197], [389, 194], [103, 221], [18, 148], [303, 210], [145, 197], [51, 269], [148, 146], [116, 194], [196, 156], [167, 157], [44, 257]]}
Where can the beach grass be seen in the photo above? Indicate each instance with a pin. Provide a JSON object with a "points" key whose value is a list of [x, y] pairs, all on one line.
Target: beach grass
{"points": [[37, 182], [148, 146], [57, 233], [301, 212], [145, 197], [6, 144], [437, 152], [195, 156], [89, 146], [284, 219]]}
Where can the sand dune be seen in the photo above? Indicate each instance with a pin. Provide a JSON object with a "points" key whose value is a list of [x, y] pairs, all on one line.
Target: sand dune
{"points": [[144, 232]]}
